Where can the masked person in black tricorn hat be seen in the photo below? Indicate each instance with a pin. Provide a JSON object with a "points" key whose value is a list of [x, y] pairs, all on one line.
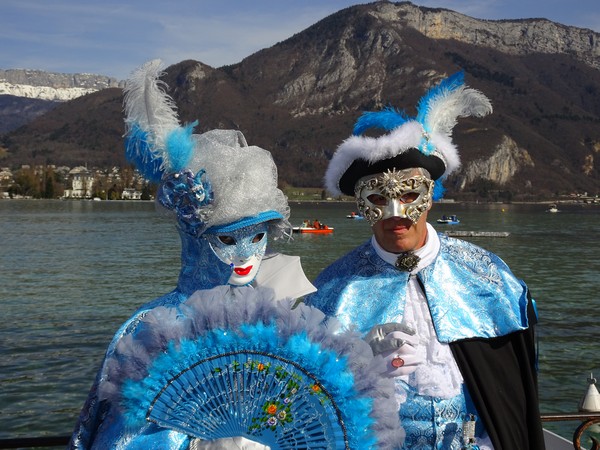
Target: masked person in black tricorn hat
{"points": [[452, 322]]}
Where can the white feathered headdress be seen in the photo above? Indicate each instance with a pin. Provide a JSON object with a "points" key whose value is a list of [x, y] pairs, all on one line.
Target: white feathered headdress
{"points": [[213, 180], [424, 141]]}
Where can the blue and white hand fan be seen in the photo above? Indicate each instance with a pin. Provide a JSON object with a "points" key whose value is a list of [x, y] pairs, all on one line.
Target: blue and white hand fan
{"points": [[245, 365], [252, 394]]}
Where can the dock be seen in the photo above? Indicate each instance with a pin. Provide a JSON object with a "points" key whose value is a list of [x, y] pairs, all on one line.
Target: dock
{"points": [[477, 233]]}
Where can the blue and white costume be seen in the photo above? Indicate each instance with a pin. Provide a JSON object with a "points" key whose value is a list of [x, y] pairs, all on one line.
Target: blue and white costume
{"points": [[230, 300], [239, 192], [458, 291], [451, 321]]}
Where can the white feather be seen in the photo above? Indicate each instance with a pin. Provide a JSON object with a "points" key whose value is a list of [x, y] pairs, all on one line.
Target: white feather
{"points": [[461, 102], [148, 106]]}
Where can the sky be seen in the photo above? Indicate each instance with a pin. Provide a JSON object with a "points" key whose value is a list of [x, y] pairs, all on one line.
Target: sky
{"points": [[113, 37]]}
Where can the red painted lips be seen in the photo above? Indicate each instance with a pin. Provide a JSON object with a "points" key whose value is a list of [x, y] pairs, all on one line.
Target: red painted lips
{"points": [[242, 270]]}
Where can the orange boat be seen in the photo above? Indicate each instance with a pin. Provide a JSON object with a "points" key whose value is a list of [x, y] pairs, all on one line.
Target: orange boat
{"points": [[325, 230]]}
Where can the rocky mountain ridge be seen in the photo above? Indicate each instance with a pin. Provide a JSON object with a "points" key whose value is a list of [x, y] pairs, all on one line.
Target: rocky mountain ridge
{"points": [[50, 85], [26, 94], [300, 98], [517, 37]]}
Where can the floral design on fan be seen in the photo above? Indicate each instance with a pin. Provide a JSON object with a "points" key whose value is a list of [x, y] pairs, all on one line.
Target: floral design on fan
{"points": [[277, 412]]}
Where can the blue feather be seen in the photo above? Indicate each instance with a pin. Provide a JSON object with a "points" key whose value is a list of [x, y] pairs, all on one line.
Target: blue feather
{"points": [[386, 119], [445, 86], [180, 146], [132, 391], [259, 335], [438, 189], [139, 152]]}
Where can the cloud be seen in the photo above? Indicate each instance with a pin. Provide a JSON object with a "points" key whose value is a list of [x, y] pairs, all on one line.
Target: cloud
{"points": [[113, 37]]}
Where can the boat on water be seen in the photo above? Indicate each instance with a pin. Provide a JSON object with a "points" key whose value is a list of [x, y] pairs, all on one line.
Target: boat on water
{"points": [[354, 215], [552, 209], [324, 230], [314, 227], [449, 220]]}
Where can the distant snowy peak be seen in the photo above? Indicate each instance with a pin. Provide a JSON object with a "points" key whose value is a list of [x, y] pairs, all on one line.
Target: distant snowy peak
{"points": [[43, 92], [52, 86]]}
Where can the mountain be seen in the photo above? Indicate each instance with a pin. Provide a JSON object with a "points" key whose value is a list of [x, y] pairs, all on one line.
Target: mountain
{"points": [[52, 86], [26, 94], [16, 111], [300, 98]]}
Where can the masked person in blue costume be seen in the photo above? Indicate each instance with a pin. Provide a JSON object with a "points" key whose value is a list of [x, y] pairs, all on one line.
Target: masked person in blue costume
{"points": [[451, 321], [224, 198], [229, 359]]}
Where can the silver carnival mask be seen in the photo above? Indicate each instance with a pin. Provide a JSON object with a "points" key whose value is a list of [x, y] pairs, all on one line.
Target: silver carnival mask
{"points": [[242, 250], [403, 193]]}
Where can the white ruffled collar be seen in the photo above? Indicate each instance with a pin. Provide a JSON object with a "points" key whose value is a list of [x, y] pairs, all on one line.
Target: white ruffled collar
{"points": [[427, 253]]}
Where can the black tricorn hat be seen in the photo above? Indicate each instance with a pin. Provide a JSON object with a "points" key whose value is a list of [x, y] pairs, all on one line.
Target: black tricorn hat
{"points": [[406, 160], [424, 141]]}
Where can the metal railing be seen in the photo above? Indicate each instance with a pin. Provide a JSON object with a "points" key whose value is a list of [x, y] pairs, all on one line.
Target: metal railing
{"points": [[35, 442], [586, 419]]}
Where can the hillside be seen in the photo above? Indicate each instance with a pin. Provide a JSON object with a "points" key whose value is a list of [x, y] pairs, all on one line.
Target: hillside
{"points": [[300, 97], [16, 111], [27, 94]]}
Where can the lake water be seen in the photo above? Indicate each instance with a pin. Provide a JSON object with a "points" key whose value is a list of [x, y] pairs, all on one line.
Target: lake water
{"points": [[72, 271]]}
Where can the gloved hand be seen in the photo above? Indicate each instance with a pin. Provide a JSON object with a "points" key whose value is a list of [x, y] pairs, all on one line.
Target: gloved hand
{"points": [[230, 443], [394, 346]]}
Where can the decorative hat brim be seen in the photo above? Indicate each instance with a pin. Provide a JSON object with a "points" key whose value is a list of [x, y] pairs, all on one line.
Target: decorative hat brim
{"points": [[264, 216], [406, 160], [359, 156]]}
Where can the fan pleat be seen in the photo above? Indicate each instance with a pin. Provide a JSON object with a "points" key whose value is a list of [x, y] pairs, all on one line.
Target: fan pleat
{"points": [[259, 396]]}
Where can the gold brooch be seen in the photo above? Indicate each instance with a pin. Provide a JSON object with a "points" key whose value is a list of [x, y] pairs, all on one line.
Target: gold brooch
{"points": [[407, 262]]}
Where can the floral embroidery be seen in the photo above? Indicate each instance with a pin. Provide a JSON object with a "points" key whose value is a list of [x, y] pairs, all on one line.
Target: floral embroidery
{"points": [[278, 411]]}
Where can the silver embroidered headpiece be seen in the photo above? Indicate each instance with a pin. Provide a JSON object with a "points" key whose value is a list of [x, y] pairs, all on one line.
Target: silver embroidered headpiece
{"points": [[212, 181]]}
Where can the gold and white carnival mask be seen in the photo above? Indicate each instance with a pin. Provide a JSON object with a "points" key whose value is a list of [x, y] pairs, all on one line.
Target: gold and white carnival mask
{"points": [[403, 193]]}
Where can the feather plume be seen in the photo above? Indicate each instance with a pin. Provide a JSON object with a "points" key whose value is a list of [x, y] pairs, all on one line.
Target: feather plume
{"points": [[137, 151], [439, 108], [386, 119], [180, 146], [155, 140], [147, 104]]}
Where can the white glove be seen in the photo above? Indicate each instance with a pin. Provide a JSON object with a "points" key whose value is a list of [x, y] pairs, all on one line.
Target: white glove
{"points": [[230, 443], [394, 346]]}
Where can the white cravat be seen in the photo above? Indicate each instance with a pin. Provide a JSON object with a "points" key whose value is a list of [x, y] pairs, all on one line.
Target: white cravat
{"points": [[438, 375]]}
